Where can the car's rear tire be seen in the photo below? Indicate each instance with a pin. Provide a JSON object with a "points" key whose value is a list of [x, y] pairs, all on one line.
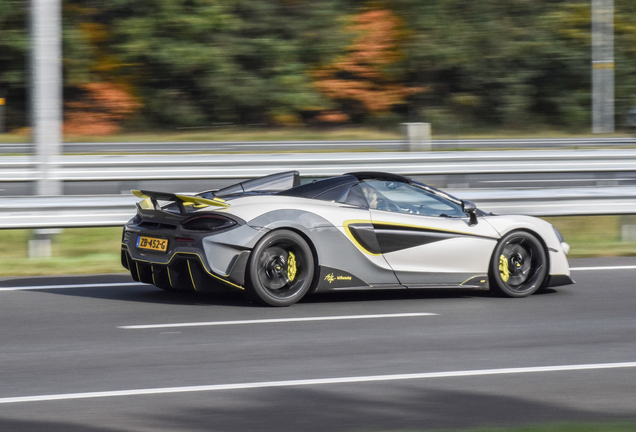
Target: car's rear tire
{"points": [[280, 270], [519, 265]]}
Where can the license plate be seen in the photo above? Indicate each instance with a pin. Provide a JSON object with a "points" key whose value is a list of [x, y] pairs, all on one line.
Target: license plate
{"points": [[152, 243]]}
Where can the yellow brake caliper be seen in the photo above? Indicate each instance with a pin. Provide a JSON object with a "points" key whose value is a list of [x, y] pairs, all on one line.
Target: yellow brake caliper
{"points": [[503, 268], [291, 266]]}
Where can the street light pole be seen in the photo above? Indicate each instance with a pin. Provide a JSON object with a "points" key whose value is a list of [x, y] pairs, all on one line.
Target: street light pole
{"points": [[602, 66], [46, 105]]}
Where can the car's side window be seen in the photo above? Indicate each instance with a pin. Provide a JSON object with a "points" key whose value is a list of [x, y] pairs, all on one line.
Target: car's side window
{"points": [[406, 198]]}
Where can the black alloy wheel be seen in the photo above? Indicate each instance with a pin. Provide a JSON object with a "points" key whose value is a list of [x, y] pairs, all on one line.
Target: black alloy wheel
{"points": [[280, 269], [519, 265]]}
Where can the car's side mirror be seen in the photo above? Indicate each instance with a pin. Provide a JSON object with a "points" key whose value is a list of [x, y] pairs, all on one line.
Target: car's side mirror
{"points": [[470, 209]]}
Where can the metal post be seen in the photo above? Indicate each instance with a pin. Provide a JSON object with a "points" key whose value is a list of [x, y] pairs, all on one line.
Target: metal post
{"points": [[602, 66], [46, 90], [46, 104], [419, 136]]}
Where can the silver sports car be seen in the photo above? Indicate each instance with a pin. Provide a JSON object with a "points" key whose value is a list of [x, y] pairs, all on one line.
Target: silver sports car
{"points": [[277, 240]]}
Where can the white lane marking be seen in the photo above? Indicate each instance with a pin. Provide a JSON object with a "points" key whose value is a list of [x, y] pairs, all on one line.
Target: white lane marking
{"points": [[604, 268], [316, 381], [47, 287], [275, 320]]}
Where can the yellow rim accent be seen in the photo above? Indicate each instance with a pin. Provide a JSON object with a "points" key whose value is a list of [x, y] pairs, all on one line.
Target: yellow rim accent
{"points": [[186, 253], [291, 267], [503, 268], [191, 277]]}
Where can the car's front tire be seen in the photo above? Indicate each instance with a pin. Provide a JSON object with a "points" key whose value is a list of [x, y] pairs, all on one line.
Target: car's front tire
{"points": [[280, 269], [519, 265]]}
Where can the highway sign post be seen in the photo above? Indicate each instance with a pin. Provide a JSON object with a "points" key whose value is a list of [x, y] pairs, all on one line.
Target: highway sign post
{"points": [[2, 104], [602, 66]]}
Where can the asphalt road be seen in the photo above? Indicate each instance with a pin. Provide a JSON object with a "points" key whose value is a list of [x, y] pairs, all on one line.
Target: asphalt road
{"points": [[96, 354]]}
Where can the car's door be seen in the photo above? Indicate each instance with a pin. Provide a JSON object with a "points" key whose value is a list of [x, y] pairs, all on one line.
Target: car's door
{"points": [[427, 238]]}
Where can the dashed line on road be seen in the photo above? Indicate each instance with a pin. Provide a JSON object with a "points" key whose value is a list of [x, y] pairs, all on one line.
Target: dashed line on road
{"points": [[603, 268], [275, 320], [71, 286], [314, 382]]}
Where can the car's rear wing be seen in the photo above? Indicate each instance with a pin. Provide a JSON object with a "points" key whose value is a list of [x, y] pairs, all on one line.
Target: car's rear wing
{"points": [[151, 200]]}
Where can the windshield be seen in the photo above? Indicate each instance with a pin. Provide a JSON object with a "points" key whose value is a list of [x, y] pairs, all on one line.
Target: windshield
{"points": [[402, 197]]}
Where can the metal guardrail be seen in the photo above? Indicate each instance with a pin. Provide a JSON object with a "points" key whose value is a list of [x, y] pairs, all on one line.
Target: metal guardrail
{"points": [[115, 210], [66, 211], [342, 145], [203, 166]]}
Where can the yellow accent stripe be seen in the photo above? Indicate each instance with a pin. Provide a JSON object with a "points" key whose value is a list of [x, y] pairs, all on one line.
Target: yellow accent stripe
{"points": [[169, 278], [152, 272], [390, 224], [191, 277], [146, 204], [346, 224], [473, 277], [603, 65], [188, 253], [216, 202], [201, 201], [127, 260]]}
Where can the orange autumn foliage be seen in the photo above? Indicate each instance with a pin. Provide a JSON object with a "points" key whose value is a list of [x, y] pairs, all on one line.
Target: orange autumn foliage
{"points": [[362, 74], [101, 109]]}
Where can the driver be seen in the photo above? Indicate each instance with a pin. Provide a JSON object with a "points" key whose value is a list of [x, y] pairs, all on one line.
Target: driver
{"points": [[375, 199], [371, 195]]}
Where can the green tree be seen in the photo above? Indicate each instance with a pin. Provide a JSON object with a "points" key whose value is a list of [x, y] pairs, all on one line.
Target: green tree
{"points": [[499, 62], [13, 60], [369, 77], [513, 63], [198, 62]]}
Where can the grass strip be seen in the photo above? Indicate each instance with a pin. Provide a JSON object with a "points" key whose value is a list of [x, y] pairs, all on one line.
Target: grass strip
{"points": [[309, 133]]}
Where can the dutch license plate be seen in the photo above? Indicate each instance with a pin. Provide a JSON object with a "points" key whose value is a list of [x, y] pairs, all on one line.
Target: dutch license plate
{"points": [[152, 243]]}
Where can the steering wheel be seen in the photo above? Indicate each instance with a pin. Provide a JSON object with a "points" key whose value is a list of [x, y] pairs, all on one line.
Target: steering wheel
{"points": [[387, 205]]}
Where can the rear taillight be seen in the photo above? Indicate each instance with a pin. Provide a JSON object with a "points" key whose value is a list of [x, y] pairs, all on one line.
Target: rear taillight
{"points": [[208, 223], [184, 240]]}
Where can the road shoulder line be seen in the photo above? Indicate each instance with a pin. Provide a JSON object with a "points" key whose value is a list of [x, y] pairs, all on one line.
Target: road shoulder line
{"points": [[318, 381]]}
